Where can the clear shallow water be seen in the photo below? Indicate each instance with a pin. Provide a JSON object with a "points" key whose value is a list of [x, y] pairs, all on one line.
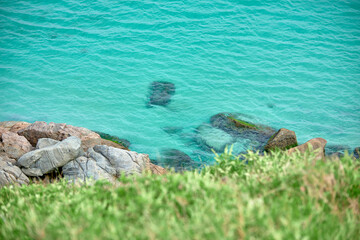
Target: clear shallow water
{"points": [[291, 64]]}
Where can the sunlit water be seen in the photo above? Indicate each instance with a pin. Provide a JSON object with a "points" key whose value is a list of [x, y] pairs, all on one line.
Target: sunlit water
{"points": [[290, 64]]}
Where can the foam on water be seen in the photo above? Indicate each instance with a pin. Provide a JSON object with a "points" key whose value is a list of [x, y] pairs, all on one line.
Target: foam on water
{"points": [[292, 64]]}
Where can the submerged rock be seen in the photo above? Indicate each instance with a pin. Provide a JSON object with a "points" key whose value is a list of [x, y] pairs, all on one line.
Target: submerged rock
{"points": [[282, 139], [242, 145], [337, 150], [178, 160], [236, 124], [47, 159], [56, 131], [313, 144], [104, 162], [173, 130], [11, 174], [239, 126], [231, 123], [213, 138], [160, 93]]}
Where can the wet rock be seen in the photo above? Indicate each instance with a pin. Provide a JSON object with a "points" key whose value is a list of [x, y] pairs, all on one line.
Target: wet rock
{"points": [[178, 160], [114, 139], [45, 142], [213, 138], [313, 144], [11, 174], [47, 159], [160, 93], [282, 139], [57, 131], [231, 123], [13, 145], [104, 162], [242, 145], [356, 152]]}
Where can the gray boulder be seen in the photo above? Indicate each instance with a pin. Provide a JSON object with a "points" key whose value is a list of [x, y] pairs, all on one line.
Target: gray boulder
{"points": [[47, 159], [282, 139], [84, 168], [11, 174], [104, 162], [46, 142], [123, 161]]}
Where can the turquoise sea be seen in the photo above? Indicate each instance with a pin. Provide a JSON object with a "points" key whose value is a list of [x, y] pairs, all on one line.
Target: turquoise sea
{"points": [[290, 64]]}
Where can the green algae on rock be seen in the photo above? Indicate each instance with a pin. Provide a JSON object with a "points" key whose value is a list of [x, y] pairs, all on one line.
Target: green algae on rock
{"points": [[114, 139], [241, 124], [235, 123]]}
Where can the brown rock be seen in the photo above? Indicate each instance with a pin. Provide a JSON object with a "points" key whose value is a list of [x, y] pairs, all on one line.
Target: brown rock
{"points": [[313, 144], [14, 145], [57, 131], [19, 126], [2, 130], [282, 139], [155, 169], [86, 144], [14, 126]]}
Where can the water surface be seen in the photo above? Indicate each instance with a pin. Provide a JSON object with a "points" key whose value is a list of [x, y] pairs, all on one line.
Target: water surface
{"points": [[291, 64]]}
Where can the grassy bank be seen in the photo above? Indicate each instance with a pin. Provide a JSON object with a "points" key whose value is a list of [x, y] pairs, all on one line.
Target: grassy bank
{"points": [[270, 197]]}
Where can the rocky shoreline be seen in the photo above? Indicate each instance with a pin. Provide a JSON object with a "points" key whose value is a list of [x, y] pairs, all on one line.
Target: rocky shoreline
{"points": [[34, 151], [43, 150]]}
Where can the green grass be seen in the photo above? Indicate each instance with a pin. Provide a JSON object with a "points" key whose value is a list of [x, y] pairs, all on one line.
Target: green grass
{"points": [[270, 197]]}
